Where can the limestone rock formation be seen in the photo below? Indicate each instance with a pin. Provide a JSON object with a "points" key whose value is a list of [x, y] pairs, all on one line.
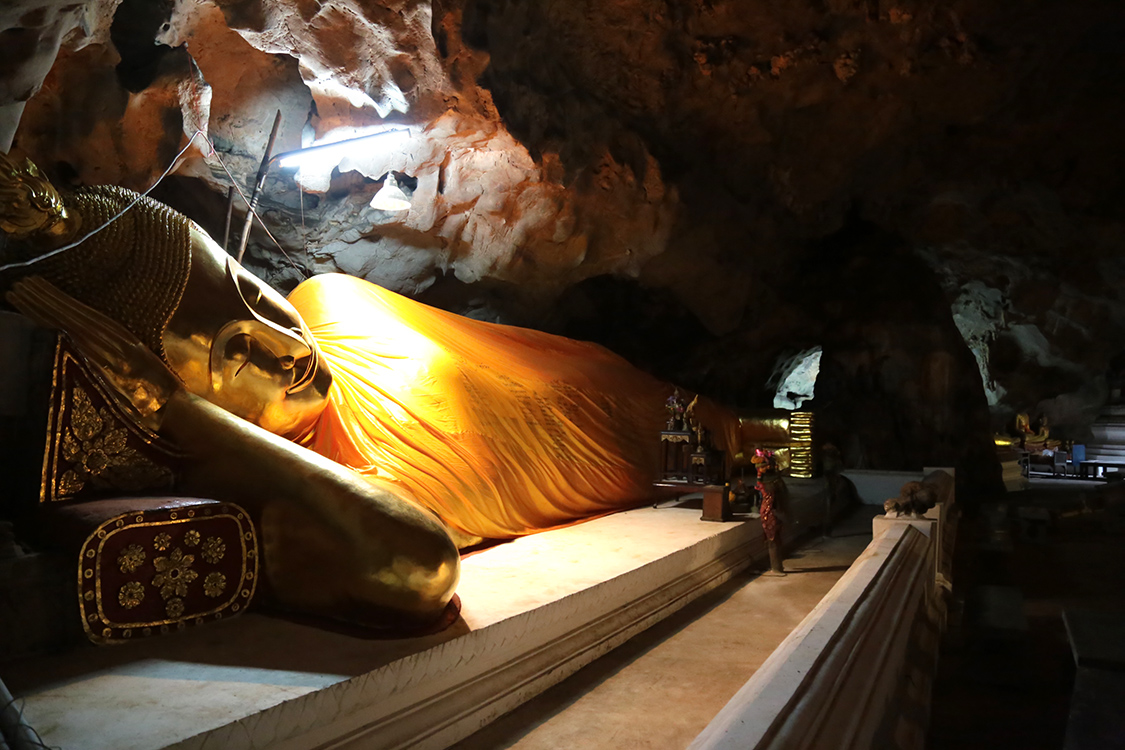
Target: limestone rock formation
{"points": [[31, 34]]}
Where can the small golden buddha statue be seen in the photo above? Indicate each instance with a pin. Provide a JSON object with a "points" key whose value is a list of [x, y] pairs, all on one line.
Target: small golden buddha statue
{"points": [[1025, 436]]}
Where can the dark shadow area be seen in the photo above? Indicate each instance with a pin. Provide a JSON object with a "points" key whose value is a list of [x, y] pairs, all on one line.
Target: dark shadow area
{"points": [[843, 536], [823, 569], [649, 327], [136, 25], [1006, 670]]}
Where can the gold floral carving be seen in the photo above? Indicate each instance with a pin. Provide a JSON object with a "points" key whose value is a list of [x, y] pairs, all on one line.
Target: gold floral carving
{"points": [[162, 541], [174, 573], [191, 537], [96, 453], [131, 558], [214, 584], [131, 594], [214, 549], [174, 607]]}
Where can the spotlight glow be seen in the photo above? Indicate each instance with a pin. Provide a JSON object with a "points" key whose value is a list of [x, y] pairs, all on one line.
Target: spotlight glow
{"points": [[390, 198]]}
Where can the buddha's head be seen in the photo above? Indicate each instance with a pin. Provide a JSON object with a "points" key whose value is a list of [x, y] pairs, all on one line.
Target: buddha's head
{"points": [[228, 336], [242, 346]]}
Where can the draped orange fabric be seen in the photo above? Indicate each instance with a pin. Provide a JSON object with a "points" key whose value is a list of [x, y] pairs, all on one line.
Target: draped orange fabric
{"points": [[501, 431]]}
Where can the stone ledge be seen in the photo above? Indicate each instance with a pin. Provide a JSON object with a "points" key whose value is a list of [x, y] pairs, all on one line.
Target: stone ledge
{"points": [[513, 661], [535, 610], [843, 677]]}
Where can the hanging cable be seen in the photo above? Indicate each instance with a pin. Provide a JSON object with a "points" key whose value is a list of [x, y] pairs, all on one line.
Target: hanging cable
{"points": [[213, 152], [14, 729], [304, 232], [115, 217], [252, 210]]}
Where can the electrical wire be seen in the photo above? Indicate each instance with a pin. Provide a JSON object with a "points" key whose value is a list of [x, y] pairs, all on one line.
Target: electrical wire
{"points": [[17, 737], [115, 217], [252, 210], [304, 231], [175, 161]]}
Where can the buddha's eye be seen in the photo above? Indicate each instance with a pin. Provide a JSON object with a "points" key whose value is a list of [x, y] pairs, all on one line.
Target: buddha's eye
{"points": [[238, 350], [239, 347]]}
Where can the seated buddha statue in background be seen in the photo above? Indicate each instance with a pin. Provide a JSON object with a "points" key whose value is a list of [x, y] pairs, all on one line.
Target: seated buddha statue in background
{"points": [[1023, 435], [369, 435]]}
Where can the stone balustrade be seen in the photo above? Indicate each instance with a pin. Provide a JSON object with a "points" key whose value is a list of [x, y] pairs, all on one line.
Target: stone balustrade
{"points": [[857, 672]]}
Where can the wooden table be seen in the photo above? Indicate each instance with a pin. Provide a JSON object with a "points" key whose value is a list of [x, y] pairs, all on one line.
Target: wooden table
{"points": [[1098, 467]]}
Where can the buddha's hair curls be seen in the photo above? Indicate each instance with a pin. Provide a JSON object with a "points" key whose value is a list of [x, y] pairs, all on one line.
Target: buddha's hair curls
{"points": [[134, 270]]}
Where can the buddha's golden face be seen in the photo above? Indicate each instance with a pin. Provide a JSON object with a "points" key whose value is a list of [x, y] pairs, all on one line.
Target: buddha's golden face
{"points": [[237, 343]]}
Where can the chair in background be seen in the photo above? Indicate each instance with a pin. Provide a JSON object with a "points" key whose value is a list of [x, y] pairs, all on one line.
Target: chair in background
{"points": [[1077, 456]]}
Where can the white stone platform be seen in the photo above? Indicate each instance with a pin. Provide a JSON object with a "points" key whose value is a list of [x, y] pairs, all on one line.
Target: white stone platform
{"points": [[534, 611]]}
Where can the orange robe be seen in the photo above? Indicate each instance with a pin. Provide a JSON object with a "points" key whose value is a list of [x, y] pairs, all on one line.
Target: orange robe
{"points": [[501, 431]]}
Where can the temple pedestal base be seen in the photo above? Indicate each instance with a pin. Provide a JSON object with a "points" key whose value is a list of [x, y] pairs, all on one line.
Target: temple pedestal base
{"points": [[534, 611]]}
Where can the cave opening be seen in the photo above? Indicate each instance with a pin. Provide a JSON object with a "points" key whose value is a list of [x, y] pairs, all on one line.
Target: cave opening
{"points": [[135, 31]]}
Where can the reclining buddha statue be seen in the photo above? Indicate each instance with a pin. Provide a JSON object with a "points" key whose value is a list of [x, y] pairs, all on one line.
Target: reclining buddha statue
{"points": [[369, 436]]}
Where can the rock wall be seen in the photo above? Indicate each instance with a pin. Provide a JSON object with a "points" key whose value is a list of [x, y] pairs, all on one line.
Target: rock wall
{"points": [[927, 191], [484, 208]]}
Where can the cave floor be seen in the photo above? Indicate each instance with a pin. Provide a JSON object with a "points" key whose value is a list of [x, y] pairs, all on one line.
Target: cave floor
{"points": [[1005, 679], [663, 686]]}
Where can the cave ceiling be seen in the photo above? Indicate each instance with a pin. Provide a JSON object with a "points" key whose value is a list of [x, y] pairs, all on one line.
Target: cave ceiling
{"points": [[707, 187]]}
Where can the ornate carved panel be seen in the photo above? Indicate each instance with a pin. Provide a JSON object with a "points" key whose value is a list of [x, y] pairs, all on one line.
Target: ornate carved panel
{"points": [[151, 571], [93, 448]]}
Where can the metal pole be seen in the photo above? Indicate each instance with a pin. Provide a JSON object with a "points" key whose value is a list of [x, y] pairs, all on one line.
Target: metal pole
{"points": [[230, 215], [262, 170]]}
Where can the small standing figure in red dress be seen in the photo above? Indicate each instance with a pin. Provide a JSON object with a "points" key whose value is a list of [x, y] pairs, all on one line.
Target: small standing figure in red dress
{"points": [[773, 491]]}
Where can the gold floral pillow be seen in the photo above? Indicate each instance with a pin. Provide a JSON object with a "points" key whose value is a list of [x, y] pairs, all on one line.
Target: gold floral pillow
{"points": [[173, 564]]}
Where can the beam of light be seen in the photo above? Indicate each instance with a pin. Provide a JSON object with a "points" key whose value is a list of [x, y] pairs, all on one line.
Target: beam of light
{"points": [[329, 151]]}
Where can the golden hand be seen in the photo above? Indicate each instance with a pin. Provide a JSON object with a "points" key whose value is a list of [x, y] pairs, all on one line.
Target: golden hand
{"points": [[143, 383]]}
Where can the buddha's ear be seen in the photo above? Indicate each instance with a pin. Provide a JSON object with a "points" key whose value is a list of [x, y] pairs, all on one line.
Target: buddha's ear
{"points": [[263, 302]]}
